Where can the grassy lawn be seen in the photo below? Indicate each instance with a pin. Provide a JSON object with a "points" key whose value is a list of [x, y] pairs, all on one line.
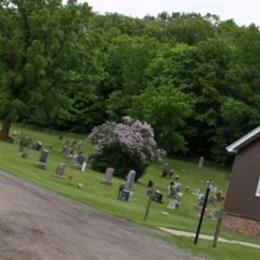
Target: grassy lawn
{"points": [[103, 197]]}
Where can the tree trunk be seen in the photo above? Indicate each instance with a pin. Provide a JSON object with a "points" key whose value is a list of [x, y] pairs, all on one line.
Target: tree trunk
{"points": [[4, 133]]}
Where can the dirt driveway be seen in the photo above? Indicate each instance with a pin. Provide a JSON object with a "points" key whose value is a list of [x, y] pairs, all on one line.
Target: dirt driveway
{"points": [[36, 224]]}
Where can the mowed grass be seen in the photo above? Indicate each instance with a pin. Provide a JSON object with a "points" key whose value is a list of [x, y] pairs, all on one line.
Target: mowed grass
{"points": [[103, 197]]}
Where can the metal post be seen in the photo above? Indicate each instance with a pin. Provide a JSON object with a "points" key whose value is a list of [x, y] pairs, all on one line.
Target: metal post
{"points": [[202, 214], [148, 207], [217, 232]]}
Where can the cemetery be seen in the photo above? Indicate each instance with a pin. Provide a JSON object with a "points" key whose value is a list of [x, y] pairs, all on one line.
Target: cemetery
{"points": [[100, 190], [129, 135]]}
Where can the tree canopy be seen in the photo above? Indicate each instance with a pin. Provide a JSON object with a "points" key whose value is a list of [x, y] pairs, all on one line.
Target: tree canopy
{"points": [[194, 78]]}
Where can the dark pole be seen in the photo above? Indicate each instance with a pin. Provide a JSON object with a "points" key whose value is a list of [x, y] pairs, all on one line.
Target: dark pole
{"points": [[202, 214], [148, 207], [217, 232]]}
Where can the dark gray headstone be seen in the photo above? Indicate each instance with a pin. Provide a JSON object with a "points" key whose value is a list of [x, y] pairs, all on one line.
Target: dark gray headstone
{"points": [[81, 159], [123, 195], [43, 159]]}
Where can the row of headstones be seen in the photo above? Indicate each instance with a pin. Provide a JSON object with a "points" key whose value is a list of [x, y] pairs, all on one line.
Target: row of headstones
{"points": [[124, 191], [123, 194], [60, 170]]}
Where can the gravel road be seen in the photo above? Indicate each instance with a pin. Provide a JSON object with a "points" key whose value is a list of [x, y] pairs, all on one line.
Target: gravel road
{"points": [[36, 224]]}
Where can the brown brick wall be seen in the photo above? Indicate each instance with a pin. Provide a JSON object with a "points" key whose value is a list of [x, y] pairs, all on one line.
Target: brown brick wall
{"points": [[242, 226]]}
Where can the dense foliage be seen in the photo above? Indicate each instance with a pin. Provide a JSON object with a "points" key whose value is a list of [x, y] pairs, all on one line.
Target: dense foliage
{"points": [[194, 78], [124, 146]]}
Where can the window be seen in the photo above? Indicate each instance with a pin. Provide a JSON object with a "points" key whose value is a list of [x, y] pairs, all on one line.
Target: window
{"points": [[258, 189]]}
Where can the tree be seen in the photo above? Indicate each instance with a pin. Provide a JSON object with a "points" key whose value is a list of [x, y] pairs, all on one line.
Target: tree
{"points": [[128, 58], [40, 49], [166, 109]]}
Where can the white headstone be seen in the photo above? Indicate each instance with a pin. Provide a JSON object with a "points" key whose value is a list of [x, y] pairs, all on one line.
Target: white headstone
{"points": [[201, 162], [83, 167]]}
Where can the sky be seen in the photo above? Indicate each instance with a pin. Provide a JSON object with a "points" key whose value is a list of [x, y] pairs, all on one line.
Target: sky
{"points": [[244, 12]]}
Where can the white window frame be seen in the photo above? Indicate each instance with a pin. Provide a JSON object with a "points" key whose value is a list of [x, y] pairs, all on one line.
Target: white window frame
{"points": [[257, 194]]}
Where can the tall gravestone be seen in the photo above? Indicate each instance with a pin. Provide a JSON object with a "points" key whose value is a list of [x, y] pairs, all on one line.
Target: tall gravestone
{"points": [[201, 162], [130, 180], [43, 159], [125, 192]]}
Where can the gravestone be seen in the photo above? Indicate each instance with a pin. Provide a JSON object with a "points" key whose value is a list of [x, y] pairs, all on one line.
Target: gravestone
{"points": [[123, 195], [24, 153], [126, 189], [196, 192], [84, 166], [60, 170], [66, 151], [108, 176], [80, 160], [173, 204], [214, 189], [157, 197], [130, 180], [201, 162], [43, 159]]}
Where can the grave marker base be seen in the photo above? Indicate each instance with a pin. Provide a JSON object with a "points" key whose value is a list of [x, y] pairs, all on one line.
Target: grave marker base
{"points": [[41, 165], [123, 195]]}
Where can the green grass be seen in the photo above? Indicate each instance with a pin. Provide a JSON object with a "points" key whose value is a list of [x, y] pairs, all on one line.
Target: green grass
{"points": [[223, 251], [103, 197]]}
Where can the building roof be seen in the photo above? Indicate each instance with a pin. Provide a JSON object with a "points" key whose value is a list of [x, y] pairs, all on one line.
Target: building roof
{"points": [[244, 141]]}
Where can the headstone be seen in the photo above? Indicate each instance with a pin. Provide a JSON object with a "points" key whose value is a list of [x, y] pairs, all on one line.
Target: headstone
{"points": [[173, 204], [66, 151], [165, 170], [196, 192], [214, 189], [179, 195], [60, 170], [108, 176], [130, 180], [43, 159], [84, 166], [24, 153], [157, 197], [81, 158], [177, 186], [201, 162], [123, 195], [170, 174]]}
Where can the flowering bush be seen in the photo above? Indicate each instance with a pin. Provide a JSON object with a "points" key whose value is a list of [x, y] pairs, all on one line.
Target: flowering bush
{"points": [[124, 146]]}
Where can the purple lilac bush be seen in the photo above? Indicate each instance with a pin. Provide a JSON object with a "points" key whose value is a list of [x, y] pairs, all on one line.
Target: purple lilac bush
{"points": [[124, 146]]}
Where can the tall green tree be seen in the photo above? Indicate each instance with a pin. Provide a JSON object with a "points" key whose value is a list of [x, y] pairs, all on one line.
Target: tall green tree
{"points": [[41, 43], [166, 109]]}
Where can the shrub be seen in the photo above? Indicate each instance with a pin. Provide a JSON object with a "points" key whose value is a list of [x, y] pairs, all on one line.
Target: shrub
{"points": [[124, 146]]}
